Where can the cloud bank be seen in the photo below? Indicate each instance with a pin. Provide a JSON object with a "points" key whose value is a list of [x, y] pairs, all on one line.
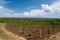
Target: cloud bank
{"points": [[46, 11]]}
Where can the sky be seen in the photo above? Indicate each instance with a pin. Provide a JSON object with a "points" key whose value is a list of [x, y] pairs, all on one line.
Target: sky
{"points": [[30, 8]]}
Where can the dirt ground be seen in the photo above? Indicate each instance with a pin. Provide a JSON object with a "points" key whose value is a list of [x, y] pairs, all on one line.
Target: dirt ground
{"points": [[36, 33], [10, 34], [31, 32]]}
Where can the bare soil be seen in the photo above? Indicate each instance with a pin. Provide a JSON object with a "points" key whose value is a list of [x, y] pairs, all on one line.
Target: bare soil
{"points": [[10, 34], [44, 32]]}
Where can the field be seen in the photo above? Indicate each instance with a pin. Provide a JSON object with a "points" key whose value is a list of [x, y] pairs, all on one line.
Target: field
{"points": [[32, 29]]}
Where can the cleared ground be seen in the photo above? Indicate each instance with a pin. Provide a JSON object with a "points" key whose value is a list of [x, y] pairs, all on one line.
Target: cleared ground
{"points": [[3, 35], [29, 29], [37, 32], [7, 35]]}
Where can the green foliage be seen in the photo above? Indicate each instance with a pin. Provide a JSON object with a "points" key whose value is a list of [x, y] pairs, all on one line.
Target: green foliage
{"points": [[16, 21]]}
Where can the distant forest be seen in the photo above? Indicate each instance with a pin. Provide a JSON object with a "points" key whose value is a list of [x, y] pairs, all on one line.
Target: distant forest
{"points": [[30, 21]]}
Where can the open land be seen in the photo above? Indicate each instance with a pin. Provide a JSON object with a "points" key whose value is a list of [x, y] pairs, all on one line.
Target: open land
{"points": [[29, 29]]}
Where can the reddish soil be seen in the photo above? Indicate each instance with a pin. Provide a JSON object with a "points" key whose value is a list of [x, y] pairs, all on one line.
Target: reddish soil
{"points": [[34, 32]]}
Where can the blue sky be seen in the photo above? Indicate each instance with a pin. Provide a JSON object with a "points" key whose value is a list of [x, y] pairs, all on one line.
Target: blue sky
{"points": [[26, 5], [30, 8]]}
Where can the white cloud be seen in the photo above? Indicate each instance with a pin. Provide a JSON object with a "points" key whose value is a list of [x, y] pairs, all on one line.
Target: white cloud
{"points": [[46, 10], [1, 7], [26, 14], [52, 10], [5, 11], [4, 2], [37, 12]]}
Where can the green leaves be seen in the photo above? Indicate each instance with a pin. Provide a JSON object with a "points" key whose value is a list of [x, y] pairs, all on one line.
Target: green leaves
{"points": [[30, 21]]}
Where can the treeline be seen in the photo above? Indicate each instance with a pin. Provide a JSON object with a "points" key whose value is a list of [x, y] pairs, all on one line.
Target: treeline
{"points": [[21, 21]]}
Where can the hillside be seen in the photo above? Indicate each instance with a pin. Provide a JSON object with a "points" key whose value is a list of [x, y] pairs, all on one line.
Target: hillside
{"points": [[33, 29]]}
